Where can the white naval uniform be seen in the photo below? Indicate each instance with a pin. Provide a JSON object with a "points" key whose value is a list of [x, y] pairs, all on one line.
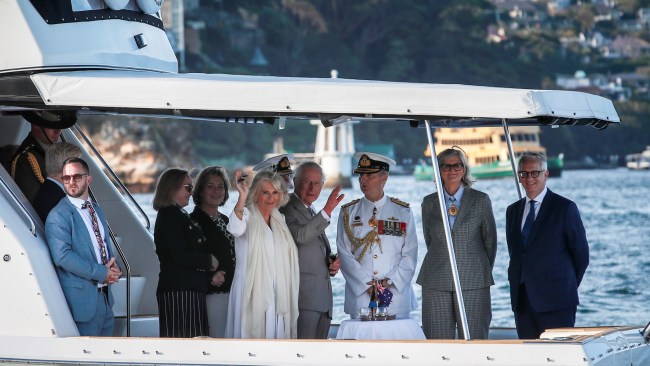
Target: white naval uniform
{"points": [[396, 259]]}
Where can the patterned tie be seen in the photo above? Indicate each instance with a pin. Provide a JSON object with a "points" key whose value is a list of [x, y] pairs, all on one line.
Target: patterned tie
{"points": [[93, 217], [528, 224]]}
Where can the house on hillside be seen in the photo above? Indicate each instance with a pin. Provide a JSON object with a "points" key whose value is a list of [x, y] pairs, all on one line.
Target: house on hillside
{"points": [[522, 13], [643, 15], [555, 6], [599, 84], [626, 47], [606, 11]]}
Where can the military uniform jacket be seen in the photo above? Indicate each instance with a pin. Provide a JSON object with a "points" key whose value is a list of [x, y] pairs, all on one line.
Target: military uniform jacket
{"points": [[391, 254], [28, 167]]}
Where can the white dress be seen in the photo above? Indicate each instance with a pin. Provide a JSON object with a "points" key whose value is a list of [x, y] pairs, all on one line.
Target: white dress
{"points": [[234, 328]]}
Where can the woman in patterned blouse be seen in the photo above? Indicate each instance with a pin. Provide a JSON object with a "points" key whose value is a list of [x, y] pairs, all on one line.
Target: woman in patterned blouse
{"points": [[212, 186]]}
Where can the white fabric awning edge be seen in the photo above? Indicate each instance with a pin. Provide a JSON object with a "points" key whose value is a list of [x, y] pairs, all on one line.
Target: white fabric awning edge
{"points": [[282, 95]]}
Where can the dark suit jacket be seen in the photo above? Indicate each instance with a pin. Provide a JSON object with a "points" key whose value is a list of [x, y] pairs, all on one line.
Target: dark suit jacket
{"points": [[27, 176], [182, 252], [475, 243], [555, 259], [74, 255], [219, 245], [313, 251], [47, 197]]}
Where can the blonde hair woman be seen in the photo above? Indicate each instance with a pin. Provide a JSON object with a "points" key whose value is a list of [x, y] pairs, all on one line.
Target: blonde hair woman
{"points": [[264, 293]]}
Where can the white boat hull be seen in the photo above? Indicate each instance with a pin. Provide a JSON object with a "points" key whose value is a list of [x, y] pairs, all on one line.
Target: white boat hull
{"points": [[589, 346]]}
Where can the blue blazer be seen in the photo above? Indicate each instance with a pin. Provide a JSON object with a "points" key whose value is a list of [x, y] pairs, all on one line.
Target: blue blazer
{"points": [[554, 261], [74, 256]]}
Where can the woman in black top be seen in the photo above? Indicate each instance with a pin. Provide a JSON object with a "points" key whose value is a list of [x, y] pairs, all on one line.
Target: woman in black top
{"points": [[211, 191], [185, 262]]}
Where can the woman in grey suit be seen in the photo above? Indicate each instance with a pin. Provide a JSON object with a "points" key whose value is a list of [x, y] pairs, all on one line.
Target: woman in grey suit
{"points": [[473, 232]]}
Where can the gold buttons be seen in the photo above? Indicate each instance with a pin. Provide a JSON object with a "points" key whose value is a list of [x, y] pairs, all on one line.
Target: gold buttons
{"points": [[375, 272], [375, 256]]}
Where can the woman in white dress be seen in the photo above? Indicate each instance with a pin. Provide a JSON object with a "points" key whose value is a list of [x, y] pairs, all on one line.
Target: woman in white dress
{"points": [[264, 294]]}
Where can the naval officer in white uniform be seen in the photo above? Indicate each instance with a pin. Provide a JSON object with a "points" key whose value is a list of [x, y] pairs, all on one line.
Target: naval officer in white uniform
{"points": [[280, 164], [376, 240]]}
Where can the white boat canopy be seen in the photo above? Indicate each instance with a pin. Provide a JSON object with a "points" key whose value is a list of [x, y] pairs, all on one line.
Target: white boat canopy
{"points": [[229, 97]]}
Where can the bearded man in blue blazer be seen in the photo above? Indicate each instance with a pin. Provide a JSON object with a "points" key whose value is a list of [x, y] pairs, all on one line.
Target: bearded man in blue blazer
{"points": [[77, 235], [548, 251]]}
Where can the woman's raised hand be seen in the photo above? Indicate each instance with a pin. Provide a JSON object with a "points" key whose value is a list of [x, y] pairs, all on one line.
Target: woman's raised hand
{"points": [[241, 184], [242, 188]]}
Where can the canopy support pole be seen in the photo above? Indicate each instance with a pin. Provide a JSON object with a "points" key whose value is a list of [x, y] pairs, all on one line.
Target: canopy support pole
{"points": [[511, 152], [445, 222]]}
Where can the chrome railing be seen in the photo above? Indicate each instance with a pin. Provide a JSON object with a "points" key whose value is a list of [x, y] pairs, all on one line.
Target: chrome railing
{"points": [[127, 269], [116, 179], [22, 207]]}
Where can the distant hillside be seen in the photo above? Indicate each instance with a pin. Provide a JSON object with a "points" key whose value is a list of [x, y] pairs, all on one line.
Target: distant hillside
{"points": [[475, 42]]}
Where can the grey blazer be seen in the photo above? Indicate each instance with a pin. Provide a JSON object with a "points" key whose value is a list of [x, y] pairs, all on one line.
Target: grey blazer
{"points": [[475, 243], [313, 251]]}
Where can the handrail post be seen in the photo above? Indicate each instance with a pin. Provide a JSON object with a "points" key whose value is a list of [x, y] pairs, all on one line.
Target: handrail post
{"points": [[511, 152], [127, 269], [115, 177], [23, 209], [450, 244]]}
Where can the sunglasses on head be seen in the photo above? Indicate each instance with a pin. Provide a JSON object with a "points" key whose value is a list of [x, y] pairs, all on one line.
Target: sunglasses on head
{"points": [[76, 177]]}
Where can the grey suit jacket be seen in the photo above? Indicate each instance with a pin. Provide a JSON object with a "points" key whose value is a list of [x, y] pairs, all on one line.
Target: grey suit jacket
{"points": [[475, 243], [74, 256], [313, 250]]}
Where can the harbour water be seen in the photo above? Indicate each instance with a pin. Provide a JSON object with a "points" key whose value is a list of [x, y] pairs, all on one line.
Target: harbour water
{"points": [[616, 214]]}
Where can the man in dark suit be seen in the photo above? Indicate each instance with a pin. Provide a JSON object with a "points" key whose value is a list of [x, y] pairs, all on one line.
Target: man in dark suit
{"points": [[77, 235], [52, 190], [548, 251], [308, 230]]}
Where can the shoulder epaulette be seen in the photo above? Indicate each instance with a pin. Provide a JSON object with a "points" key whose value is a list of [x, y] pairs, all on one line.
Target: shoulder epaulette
{"points": [[351, 203], [26, 149], [31, 159], [400, 202]]}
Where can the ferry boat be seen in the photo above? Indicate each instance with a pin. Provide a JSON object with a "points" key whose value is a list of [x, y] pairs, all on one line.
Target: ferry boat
{"points": [[640, 161], [487, 150], [113, 58]]}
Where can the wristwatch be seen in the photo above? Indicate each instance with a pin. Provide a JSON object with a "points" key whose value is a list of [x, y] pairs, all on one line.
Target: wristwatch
{"points": [[389, 281]]}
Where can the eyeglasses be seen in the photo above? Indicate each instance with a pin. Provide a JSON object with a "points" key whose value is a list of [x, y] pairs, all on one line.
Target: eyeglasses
{"points": [[456, 167], [532, 173], [75, 177], [188, 187]]}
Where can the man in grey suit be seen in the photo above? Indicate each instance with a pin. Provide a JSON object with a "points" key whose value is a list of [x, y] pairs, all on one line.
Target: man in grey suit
{"points": [[308, 230], [474, 236], [76, 232]]}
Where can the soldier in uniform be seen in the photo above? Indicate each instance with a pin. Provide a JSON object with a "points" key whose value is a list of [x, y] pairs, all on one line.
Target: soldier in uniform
{"points": [[28, 164], [376, 241], [280, 164]]}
